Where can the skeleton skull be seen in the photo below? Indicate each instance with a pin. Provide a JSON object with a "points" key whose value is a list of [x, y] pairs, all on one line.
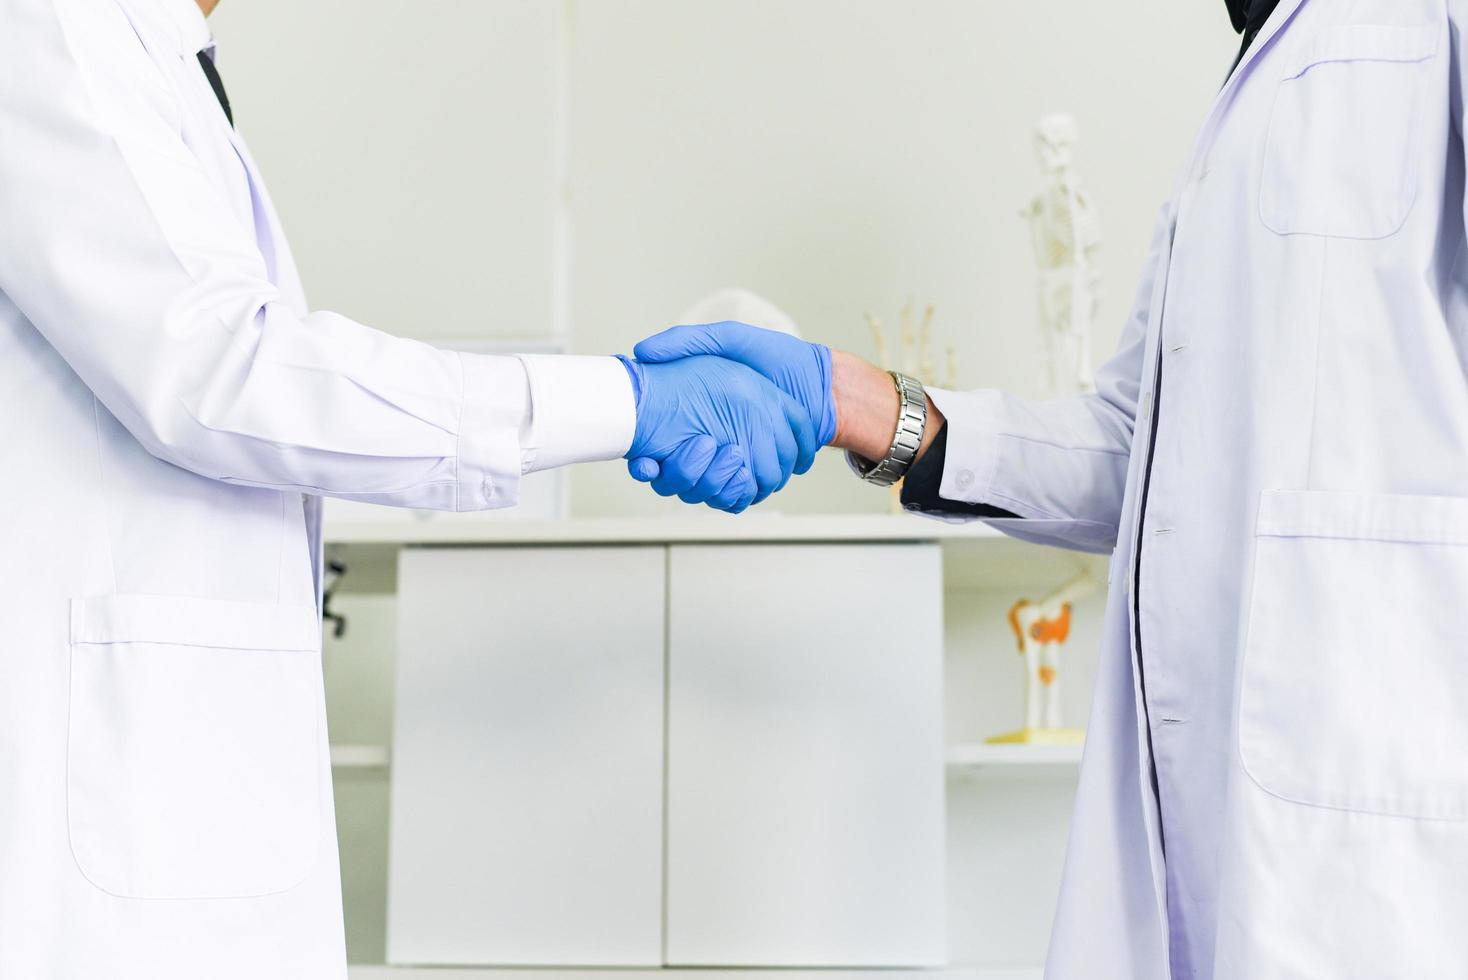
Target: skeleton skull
{"points": [[1054, 136]]}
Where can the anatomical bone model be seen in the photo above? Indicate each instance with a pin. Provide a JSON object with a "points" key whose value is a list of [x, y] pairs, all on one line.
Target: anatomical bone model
{"points": [[1067, 241], [1041, 629], [915, 345]]}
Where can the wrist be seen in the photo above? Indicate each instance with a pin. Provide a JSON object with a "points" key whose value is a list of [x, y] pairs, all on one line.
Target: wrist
{"points": [[866, 408]]}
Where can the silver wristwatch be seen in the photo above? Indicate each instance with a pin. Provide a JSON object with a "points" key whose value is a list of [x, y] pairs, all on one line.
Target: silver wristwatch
{"points": [[912, 419]]}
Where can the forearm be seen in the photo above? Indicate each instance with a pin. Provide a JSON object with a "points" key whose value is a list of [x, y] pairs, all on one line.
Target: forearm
{"points": [[866, 415], [866, 408]]}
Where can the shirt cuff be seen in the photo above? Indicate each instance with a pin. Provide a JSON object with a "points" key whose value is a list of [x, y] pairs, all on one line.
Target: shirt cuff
{"points": [[496, 404], [581, 410], [974, 421], [920, 489]]}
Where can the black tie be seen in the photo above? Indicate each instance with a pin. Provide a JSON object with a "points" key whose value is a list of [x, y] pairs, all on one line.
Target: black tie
{"points": [[216, 83]]}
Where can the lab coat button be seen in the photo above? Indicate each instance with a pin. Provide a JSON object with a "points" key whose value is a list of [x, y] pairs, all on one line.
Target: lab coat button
{"points": [[965, 479]]}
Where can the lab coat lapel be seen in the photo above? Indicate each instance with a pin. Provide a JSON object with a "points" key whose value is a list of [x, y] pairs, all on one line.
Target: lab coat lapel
{"points": [[1282, 15], [269, 232]]}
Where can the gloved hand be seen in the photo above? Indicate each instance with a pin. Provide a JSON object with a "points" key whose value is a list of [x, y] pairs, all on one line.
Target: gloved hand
{"points": [[713, 431], [798, 368]]}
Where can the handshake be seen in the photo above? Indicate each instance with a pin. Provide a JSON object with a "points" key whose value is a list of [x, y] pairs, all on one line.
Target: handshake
{"points": [[726, 412]]}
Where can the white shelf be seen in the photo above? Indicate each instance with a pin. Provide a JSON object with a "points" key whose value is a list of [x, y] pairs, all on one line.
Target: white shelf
{"points": [[698, 528], [976, 756], [985, 756], [975, 556], [622, 973]]}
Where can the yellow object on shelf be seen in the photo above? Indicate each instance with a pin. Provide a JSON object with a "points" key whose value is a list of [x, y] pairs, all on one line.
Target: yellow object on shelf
{"points": [[1040, 736]]}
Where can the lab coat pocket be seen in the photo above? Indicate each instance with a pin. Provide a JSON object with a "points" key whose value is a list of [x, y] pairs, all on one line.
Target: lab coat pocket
{"points": [[1338, 157], [1354, 692], [193, 756]]}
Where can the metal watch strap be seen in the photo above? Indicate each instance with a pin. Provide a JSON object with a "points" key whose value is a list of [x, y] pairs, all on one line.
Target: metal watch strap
{"points": [[912, 419]]}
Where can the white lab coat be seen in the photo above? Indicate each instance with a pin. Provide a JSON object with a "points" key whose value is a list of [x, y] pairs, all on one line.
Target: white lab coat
{"points": [[1298, 688], [168, 411]]}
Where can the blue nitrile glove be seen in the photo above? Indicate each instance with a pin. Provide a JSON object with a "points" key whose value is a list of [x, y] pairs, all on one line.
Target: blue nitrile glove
{"points": [[713, 431], [798, 368]]}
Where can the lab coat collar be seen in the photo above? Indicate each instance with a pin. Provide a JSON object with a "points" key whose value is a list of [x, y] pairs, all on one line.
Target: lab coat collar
{"points": [[189, 25]]}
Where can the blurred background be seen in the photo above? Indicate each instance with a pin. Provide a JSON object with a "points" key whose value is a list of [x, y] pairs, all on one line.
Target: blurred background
{"points": [[573, 174], [586, 170]]}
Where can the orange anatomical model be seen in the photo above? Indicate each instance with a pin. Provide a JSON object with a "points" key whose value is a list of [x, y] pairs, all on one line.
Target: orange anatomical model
{"points": [[1041, 629]]}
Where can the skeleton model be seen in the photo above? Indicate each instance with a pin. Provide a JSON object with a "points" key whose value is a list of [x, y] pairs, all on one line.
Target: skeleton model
{"points": [[1041, 628], [916, 347], [1067, 241]]}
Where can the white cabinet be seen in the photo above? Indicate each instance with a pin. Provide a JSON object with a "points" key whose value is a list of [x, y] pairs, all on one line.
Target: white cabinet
{"points": [[527, 788], [779, 803], [805, 756]]}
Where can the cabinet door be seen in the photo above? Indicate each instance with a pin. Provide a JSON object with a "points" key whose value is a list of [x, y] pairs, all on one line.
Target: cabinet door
{"points": [[528, 757], [805, 766]]}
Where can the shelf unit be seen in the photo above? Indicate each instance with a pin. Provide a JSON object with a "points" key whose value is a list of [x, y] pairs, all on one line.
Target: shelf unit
{"points": [[1009, 805]]}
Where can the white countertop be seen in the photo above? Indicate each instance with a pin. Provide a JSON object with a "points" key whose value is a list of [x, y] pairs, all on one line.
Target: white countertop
{"points": [[975, 556], [713, 528]]}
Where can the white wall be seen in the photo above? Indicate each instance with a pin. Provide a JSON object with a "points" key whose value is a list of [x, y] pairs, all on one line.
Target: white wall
{"points": [[411, 151], [462, 169], [836, 155]]}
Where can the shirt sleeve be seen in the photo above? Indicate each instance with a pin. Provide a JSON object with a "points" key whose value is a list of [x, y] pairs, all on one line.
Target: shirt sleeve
{"points": [[583, 409], [126, 256]]}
